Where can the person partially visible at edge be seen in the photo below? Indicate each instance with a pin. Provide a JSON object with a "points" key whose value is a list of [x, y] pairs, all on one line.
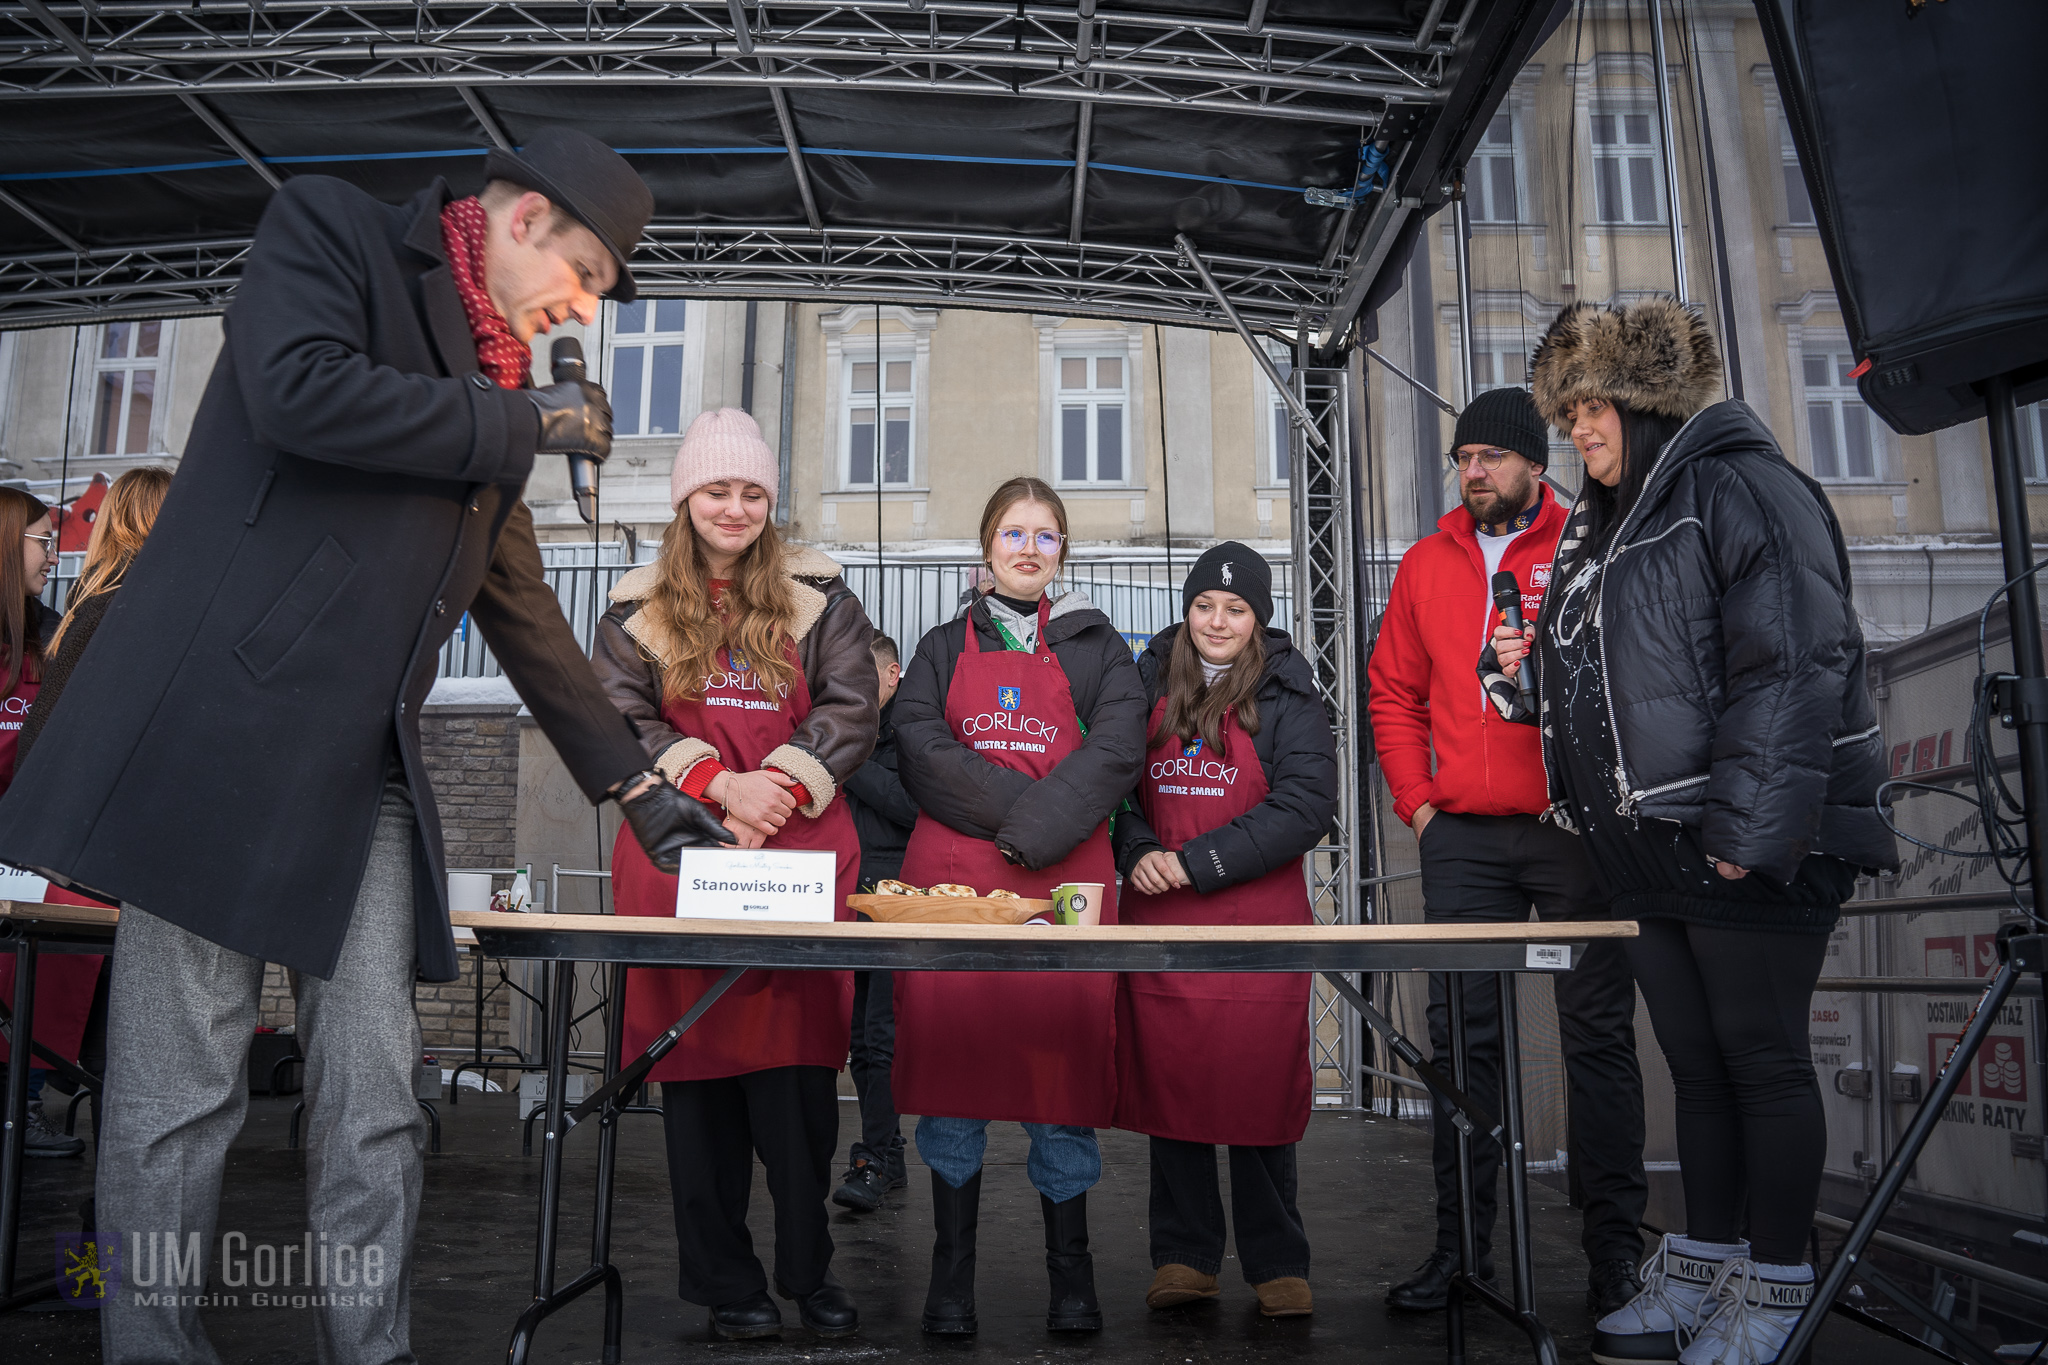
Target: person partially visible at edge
{"points": [[743, 664], [1020, 727], [64, 981], [71, 988], [236, 759], [124, 522], [1240, 783], [884, 814], [1721, 764], [1487, 855]]}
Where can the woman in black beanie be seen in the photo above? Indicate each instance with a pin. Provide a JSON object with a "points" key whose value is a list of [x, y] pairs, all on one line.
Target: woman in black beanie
{"points": [[1239, 782]]}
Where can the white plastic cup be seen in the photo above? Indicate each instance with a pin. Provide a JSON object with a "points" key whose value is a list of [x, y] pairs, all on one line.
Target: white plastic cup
{"points": [[469, 891]]}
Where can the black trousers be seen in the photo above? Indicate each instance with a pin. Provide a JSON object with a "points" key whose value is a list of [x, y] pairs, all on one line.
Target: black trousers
{"points": [[1730, 1006], [1187, 1210], [873, 1052], [1491, 869], [789, 1116]]}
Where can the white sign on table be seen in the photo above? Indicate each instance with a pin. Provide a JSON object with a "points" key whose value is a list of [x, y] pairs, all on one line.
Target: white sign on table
{"points": [[777, 884], [19, 885]]}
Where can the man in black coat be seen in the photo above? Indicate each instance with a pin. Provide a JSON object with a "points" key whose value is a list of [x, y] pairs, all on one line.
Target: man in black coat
{"points": [[884, 816], [237, 759]]}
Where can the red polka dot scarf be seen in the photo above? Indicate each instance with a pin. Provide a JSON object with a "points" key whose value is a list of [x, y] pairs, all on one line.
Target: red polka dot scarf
{"points": [[504, 357]]}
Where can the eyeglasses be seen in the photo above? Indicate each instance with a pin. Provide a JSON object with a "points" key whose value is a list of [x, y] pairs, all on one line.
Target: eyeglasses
{"points": [[1489, 458], [1013, 540], [49, 542]]}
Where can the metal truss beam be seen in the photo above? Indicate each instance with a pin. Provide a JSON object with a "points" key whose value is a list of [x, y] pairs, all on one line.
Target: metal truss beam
{"points": [[922, 269], [1319, 508], [970, 48]]}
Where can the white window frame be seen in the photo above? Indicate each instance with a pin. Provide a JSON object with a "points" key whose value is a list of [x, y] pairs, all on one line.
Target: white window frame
{"points": [[1621, 104], [1790, 175], [95, 365], [690, 393], [849, 332], [1480, 174], [882, 399], [1091, 400], [1837, 395], [2032, 422], [1133, 342], [1275, 423]]}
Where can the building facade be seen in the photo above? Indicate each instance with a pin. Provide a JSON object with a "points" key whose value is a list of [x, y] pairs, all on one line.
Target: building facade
{"points": [[894, 422]]}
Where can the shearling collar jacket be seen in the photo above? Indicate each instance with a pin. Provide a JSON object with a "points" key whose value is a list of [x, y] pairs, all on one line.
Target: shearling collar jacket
{"points": [[1731, 657], [833, 636]]}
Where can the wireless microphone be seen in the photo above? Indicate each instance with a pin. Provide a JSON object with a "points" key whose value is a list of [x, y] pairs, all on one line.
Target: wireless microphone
{"points": [[1507, 599], [565, 357]]}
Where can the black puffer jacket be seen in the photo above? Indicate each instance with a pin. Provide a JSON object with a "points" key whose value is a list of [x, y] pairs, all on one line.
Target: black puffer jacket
{"points": [[1294, 747], [1044, 820], [1732, 657]]}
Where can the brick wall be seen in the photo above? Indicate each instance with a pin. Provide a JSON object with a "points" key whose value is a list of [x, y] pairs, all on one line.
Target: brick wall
{"points": [[472, 755]]}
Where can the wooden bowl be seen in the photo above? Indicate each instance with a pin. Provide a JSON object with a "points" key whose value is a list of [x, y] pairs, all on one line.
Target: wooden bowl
{"points": [[947, 909]]}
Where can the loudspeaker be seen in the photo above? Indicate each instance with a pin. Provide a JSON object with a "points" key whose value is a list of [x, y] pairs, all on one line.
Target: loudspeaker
{"points": [[1922, 128]]}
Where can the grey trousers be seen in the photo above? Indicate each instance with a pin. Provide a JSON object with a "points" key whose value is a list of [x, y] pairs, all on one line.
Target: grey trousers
{"points": [[180, 1019]]}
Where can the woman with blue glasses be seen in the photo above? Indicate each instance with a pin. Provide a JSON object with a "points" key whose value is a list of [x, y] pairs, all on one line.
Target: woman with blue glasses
{"points": [[1019, 727]]}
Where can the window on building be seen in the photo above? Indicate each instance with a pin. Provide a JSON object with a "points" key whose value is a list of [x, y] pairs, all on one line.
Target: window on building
{"points": [[1491, 195], [1798, 203], [2033, 425], [897, 406], [1280, 418], [1501, 366], [124, 387], [1094, 407], [647, 367], [1625, 167], [1843, 432]]}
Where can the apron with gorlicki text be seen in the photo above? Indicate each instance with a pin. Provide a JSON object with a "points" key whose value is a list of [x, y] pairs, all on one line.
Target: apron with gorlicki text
{"points": [[1037, 1047], [768, 1018], [1217, 1057]]}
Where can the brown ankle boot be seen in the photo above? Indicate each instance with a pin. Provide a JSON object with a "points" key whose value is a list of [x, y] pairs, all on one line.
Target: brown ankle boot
{"points": [[1175, 1284], [1287, 1297]]}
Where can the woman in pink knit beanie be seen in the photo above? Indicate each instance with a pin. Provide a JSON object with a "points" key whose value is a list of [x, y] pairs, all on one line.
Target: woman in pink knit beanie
{"points": [[743, 664]]}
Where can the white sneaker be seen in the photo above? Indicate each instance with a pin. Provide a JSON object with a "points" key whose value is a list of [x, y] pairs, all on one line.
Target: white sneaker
{"points": [[1752, 1309], [1657, 1323]]}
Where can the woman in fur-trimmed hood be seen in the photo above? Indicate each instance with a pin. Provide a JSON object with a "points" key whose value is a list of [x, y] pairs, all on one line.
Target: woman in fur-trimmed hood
{"points": [[1708, 730], [744, 666]]}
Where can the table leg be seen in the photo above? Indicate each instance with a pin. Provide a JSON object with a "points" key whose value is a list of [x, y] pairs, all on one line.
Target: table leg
{"points": [[1468, 1233], [1518, 1174], [608, 1099]]}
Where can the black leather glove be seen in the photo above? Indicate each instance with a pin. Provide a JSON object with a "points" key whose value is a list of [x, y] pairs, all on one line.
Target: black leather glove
{"points": [[666, 822], [575, 419]]}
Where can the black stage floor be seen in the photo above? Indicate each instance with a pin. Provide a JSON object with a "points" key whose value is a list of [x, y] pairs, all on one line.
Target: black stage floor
{"points": [[1365, 1193]]}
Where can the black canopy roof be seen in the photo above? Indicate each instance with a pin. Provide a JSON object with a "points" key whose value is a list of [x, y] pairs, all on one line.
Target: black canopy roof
{"points": [[1041, 156]]}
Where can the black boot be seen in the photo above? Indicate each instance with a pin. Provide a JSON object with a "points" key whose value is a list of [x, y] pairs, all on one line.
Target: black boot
{"points": [[1067, 1260], [949, 1304]]}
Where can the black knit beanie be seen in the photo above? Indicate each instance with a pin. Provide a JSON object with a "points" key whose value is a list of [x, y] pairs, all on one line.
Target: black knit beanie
{"points": [[1506, 418], [1231, 567]]}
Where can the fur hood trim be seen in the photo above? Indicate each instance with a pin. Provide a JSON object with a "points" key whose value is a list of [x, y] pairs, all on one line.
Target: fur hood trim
{"points": [[802, 565], [1652, 356]]}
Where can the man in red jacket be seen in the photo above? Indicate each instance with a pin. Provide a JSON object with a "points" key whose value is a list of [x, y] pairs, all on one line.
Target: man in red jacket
{"points": [[1486, 853]]}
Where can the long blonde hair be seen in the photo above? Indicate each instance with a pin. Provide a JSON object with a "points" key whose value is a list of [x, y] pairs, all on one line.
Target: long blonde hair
{"points": [[117, 534], [753, 621]]}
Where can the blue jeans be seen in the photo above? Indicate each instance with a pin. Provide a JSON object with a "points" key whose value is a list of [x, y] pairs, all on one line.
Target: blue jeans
{"points": [[1065, 1161]]}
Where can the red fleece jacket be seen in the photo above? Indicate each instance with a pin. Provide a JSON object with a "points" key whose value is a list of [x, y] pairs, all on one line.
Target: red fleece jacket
{"points": [[1425, 687]]}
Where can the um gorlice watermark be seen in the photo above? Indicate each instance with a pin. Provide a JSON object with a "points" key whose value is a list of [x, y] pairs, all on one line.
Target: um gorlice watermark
{"points": [[163, 1269]]}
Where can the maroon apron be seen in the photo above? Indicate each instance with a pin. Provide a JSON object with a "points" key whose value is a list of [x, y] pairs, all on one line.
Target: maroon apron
{"points": [[769, 1018], [1037, 1047], [1217, 1057], [64, 981]]}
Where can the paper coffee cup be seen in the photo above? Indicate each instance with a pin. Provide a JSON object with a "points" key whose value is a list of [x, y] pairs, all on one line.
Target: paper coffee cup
{"points": [[1078, 903], [469, 891]]}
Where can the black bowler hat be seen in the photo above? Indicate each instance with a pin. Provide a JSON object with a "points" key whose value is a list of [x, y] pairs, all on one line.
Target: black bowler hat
{"points": [[589, 180]]}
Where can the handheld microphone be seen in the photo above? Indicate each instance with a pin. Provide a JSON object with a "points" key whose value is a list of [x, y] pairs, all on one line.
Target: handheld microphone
{"points": [[1507, 600], [565, 358]]}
